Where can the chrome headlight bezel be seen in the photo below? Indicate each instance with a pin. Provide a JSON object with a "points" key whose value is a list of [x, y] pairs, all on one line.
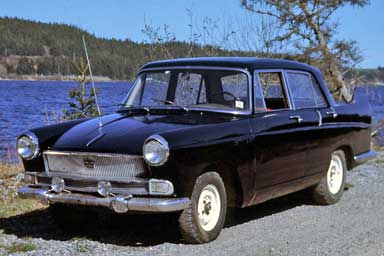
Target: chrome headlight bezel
{"points": [[156, 140], [33, 139]]}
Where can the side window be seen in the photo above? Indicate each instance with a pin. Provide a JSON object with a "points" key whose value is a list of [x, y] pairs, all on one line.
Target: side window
{"points": [[235, 89], [319, 96], [303, 92], [271, 84], [300, 86], [190, 89], [258, 95]]}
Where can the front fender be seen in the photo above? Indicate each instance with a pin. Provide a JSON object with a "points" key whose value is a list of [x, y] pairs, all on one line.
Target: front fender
{"points": [[47, 136], [193, 151]]}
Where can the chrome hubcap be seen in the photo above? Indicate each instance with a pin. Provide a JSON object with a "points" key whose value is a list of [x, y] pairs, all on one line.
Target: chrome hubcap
{"points": [[208, 207], [335, 174]]}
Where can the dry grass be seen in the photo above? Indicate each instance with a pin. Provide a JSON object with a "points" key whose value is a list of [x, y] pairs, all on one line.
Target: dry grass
{"points": [[8, 171], [16, 247], [11, 178]]}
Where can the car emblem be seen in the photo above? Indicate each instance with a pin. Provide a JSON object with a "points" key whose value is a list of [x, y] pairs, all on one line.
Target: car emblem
{"points": [[89, 163]]}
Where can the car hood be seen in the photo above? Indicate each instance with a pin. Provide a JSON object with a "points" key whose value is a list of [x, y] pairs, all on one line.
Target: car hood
{"points": [[125, 133]]}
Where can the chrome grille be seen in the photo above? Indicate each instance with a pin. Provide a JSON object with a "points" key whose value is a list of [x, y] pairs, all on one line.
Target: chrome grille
{"points": [[93, 165]]}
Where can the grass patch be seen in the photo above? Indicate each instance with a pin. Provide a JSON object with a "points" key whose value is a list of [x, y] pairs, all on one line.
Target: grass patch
{"points": [[378, 160], [20, 247], [83, 248], [16, 206], [10, 170], [10, 203]]}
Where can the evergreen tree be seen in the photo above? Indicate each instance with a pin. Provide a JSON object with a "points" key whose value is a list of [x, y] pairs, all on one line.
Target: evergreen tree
{"points": [[83, 102]]}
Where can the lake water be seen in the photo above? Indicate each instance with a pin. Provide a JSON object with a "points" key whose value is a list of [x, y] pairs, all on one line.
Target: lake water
{"points": [[28, 104]]}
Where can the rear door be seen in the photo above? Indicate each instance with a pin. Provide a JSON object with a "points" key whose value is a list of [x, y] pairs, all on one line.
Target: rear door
{"points": [[280, 142], [307, 96]]}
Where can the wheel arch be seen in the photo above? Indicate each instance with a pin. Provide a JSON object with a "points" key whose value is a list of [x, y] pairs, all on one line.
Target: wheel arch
{"points": [[231, 181], [347, 149]]}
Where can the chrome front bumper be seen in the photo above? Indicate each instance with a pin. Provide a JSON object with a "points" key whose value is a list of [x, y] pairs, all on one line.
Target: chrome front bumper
{"points": [[119, 203]]}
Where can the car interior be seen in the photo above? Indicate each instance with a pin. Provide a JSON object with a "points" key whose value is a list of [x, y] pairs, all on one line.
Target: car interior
{"points": [[219, 89], [273, 91]]}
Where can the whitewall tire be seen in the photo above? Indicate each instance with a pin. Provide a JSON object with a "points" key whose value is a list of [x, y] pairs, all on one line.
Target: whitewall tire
{"points": [[203, 220], [331, 187]]}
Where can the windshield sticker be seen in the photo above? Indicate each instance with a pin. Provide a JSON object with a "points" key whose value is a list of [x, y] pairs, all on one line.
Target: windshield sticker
{"points": [[239, 104]]}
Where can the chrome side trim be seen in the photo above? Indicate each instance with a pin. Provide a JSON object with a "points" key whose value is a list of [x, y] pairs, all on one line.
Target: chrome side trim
{"points": [[119, 204], [320, 117], [363, 157], [243, 70]]}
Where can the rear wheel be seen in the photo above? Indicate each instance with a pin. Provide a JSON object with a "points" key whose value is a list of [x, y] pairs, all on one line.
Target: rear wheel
{"points": [[331, 187], [203, 220]]}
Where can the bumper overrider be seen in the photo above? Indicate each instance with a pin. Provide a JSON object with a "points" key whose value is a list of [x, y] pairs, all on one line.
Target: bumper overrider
{"points": [[147, 200]]}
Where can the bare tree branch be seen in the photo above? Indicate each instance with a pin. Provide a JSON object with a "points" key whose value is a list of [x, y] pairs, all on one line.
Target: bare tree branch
{"points": [[306, 25]]}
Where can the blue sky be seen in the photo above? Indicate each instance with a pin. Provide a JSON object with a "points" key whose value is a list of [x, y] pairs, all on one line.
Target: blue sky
{"points": [[125, 18]]}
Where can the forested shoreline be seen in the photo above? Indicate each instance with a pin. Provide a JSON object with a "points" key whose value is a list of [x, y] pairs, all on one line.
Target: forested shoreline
{"points": [[40, 51]]}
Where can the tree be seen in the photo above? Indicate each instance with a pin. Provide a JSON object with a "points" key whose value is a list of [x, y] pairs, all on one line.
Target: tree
{"points": [[159, 40], [3, 70], [25, 67], [83, 104], [307, 26], [45, 67]]}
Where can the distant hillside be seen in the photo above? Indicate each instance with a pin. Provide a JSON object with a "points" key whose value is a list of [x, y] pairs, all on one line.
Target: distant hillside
{"points": [[371, 76], [36, 48]]}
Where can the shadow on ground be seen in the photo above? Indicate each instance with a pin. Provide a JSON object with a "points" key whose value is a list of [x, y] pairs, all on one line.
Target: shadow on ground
{"points": [[135, 230]]}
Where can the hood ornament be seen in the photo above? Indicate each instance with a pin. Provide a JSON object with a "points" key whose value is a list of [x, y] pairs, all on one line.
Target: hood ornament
{"points": [[96, 138]]}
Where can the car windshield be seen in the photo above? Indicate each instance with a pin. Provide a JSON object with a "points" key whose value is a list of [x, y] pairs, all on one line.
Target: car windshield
{"points": [[226, 90]]}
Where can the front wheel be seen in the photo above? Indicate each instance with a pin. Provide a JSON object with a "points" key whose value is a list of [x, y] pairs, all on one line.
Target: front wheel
{"points": [[331, 187], [203, 220]]}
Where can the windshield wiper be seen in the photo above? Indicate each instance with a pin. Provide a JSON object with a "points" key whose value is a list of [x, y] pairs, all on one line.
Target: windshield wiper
{"points": [[172, 103]]}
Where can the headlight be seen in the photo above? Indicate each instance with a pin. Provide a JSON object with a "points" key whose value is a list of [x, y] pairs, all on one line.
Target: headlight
{"points": [[27, 146], [155, 150]]}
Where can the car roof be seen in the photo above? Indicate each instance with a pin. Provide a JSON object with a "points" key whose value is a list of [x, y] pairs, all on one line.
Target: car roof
{"points": [[250, 63]]}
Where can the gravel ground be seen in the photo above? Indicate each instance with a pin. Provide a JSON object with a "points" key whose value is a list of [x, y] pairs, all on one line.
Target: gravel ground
{"points": [[290, 225]]}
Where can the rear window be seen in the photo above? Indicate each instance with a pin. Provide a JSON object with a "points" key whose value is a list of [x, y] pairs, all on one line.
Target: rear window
{"points": [[304, 92]]}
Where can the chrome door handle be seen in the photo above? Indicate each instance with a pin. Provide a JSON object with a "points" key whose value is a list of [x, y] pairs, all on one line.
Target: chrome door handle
{"points": [[332, 113], [298, 118]]}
